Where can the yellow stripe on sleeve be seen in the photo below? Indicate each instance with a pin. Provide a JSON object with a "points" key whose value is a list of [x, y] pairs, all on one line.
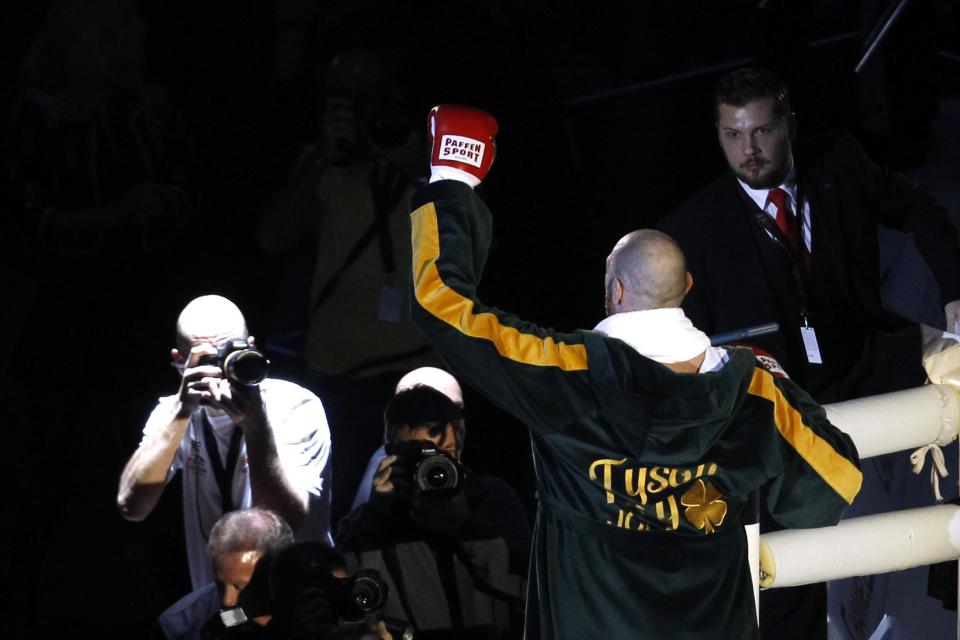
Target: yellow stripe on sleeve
{"points": [[457, 311], [838, 472]]}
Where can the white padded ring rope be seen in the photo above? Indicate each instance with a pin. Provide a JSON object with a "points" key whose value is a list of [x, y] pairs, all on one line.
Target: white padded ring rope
{"points": [[898, 421], [861, 546]]}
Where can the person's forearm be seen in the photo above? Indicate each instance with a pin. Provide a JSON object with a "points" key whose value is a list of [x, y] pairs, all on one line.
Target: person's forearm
{"points": [[269, 484], [145, 475]]}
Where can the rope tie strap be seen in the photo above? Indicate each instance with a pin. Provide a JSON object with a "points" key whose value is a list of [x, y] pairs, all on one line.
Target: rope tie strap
{"points": [[938, 467]]}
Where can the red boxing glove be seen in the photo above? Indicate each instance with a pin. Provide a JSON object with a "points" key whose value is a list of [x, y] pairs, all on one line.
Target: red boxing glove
{"points": [[764, 359], [463, 144]]}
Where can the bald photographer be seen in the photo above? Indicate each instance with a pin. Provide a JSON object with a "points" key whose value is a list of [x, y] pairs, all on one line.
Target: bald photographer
{"points": [[451, 544], [241, 439]]}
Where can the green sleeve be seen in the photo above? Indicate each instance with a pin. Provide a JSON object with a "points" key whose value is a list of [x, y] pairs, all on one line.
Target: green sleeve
{"points": [[538, 375], [819, 469]]}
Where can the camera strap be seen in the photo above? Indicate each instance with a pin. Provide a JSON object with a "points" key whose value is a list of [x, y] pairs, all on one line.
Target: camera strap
{"points": [[387, 186], [799, 268], [447, 572], [392, 564], [481, 584], [222, 473]]}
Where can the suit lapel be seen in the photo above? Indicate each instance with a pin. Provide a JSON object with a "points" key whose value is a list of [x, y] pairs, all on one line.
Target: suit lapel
{"points": [[820, 191]]}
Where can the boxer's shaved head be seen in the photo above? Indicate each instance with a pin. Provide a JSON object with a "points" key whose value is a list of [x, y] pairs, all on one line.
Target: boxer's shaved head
{"points": [[645, 270], [209, 318]]}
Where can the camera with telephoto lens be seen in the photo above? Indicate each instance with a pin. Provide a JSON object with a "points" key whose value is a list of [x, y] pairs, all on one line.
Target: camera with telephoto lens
{"points": [[434, 470], [239, 362]]}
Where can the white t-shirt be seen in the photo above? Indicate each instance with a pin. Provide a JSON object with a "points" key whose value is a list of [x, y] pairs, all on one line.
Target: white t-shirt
{"points": [[303, 444]]}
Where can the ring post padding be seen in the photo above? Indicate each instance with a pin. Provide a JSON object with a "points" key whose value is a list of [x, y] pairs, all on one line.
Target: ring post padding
{"points": [[863, 546], [900, 420]]}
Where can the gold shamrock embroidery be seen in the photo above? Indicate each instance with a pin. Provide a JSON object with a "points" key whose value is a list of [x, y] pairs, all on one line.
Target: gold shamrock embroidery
{"points": [[704, 507]]}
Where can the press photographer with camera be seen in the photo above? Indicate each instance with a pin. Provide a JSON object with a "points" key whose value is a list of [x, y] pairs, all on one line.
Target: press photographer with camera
{"points": [[452, 545], [237, 543], [303, 592], [241, 438], [348, 195]]}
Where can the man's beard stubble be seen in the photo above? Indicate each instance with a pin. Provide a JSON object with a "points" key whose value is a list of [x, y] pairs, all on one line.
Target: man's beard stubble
{"points": [[771, 178]]}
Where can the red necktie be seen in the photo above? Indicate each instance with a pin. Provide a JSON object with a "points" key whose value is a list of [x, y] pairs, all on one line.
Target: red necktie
{"points": [[787, 225]]}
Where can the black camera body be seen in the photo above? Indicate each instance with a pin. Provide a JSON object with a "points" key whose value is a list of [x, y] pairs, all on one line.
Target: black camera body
{"points": [[239, 362], [434, 470], [360, 595], [281, 577]]}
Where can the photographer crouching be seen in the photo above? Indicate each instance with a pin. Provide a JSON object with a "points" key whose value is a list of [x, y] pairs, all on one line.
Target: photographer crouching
{"points": [[303, 592], [451, 545]]}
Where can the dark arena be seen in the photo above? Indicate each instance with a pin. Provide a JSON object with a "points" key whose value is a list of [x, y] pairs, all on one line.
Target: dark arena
{"points": [[482, 320]]}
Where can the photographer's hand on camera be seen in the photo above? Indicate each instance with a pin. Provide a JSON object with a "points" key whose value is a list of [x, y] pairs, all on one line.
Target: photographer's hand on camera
{"points": [[200, 383], [244, 405], [315, 617], [392, 486], [204, 383]]}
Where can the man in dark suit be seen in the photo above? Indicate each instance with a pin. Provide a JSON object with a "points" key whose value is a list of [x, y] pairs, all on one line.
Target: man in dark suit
{"points": [[790, 236], [817, 267]]}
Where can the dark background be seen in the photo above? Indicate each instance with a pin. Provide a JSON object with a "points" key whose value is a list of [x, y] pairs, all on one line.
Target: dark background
{"points": [[605, 117]]}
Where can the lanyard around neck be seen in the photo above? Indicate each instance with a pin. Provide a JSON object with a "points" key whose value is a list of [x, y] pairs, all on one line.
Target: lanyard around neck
{"points": [[222, 473], [780, 240]]}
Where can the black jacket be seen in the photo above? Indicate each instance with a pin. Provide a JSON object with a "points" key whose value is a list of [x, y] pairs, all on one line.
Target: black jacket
{"points": [[467, 583], [742, 279]]}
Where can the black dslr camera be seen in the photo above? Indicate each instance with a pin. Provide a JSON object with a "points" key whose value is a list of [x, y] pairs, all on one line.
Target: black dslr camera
{"points": [[280, 579], [434, 470], [239, 362], [360, 595]]}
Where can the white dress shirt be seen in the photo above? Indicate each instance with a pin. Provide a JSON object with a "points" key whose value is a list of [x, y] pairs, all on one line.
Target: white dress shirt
{"points": [[790, 186]]}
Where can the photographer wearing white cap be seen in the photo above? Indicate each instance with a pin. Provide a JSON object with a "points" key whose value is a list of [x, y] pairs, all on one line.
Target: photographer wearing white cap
{"points": [[452, 545]]}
